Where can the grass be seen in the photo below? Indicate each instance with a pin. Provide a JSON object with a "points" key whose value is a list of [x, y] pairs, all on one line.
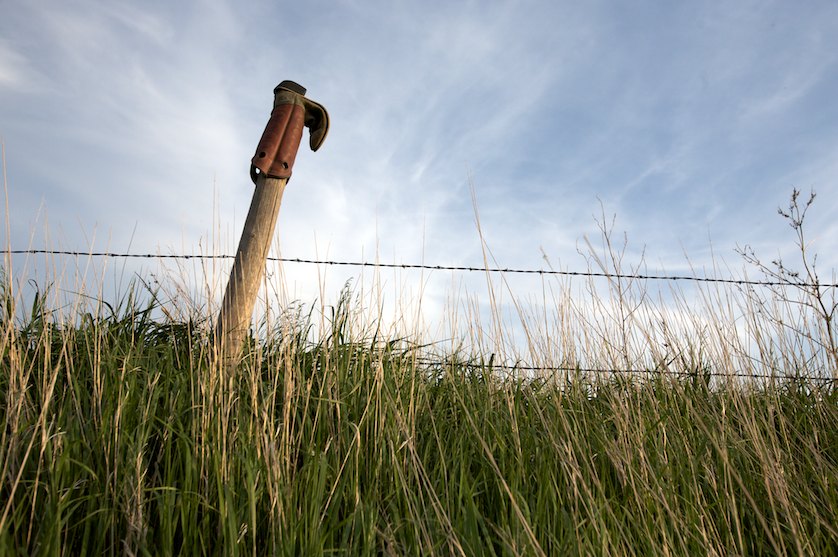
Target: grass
{"points": [[122, 435]]}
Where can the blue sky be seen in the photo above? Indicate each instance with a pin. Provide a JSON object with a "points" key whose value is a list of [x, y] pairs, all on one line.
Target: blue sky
{"points": [[130, 125]]}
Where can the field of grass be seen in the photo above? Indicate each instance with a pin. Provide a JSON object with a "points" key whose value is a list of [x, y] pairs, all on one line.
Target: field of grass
{"points": [[714, 432], [122, 435]]}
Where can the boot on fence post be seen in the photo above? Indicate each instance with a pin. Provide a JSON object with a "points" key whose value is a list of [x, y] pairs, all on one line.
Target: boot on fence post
{"points": [[270, 170]]}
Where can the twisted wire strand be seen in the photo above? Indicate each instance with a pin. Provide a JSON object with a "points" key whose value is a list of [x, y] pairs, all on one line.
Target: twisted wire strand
{"points": [[458, 268]]}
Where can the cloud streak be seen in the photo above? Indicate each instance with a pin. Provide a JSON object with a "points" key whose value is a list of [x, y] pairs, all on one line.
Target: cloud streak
{"points": [[689, 122]]}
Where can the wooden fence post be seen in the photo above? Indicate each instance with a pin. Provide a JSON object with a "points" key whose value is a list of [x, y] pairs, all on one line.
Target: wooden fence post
{"points": [[249, 266], [270, 169]]}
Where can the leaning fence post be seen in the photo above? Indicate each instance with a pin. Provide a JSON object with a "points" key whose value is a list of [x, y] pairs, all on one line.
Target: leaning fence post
{"points": [[270, 170]]}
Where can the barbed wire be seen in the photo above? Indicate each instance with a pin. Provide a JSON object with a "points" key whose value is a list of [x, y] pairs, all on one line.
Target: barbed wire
{"points": [[517, 367], [412, 266], [701, 373]]}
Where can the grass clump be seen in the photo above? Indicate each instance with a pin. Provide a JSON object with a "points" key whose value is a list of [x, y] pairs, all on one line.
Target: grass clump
{"points": [[122, 435]]}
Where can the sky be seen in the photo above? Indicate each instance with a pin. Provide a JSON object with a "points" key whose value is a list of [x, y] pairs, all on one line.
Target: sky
{"points": [[129, 126]]}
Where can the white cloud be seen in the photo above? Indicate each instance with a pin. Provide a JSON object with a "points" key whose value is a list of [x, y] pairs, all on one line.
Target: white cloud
{"points": [[10, 66], [15, 70], [688, 122]]}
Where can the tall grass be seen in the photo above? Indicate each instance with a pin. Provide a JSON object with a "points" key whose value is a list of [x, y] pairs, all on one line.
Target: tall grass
{"points": [[123, 434]]}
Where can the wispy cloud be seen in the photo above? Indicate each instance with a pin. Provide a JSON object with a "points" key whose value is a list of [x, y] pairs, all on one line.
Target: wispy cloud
{"points": [[14, 69], [688, 121]]}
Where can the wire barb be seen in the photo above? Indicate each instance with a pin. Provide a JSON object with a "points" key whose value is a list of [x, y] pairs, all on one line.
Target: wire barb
{"points": [[741, 282], [490, 365], [523, 367]]}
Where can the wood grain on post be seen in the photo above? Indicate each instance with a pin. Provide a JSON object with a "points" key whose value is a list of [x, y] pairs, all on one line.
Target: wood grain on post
{"points": [[248, 268], [270, 170]]}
